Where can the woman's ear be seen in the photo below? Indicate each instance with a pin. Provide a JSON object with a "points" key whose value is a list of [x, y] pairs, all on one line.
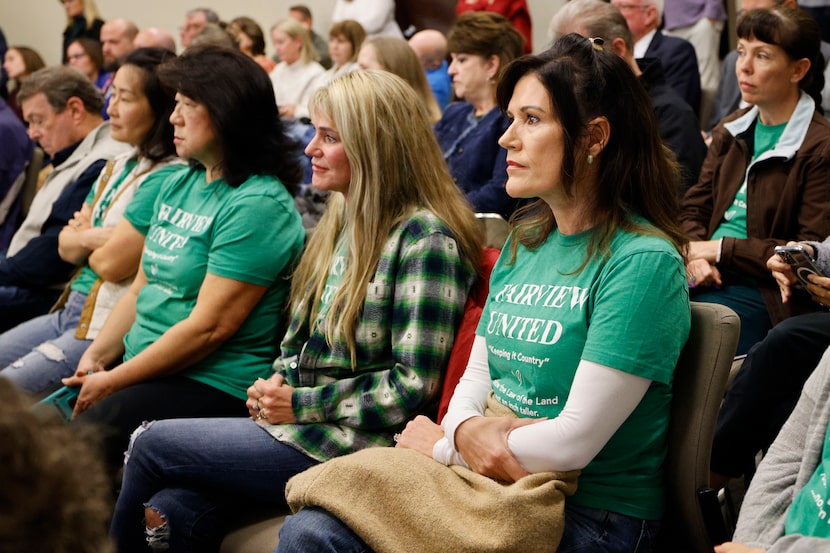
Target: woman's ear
{"points": [[492, 65], [800, 69], [597, 135]]}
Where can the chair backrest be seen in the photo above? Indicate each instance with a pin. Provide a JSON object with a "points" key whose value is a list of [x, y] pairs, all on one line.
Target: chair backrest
{"points": [[699, 385], [27, 193], [495, 229], [465, 334]]}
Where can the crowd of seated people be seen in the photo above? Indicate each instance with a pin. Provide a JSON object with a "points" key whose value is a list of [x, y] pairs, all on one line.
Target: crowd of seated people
{"points": [[316, 207]]}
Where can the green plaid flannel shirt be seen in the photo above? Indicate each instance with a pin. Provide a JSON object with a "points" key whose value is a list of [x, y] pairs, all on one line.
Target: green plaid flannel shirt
{"points": [[405, 334]]}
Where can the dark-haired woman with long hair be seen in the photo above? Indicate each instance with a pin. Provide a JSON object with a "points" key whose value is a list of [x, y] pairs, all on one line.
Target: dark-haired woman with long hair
{"points": [[201, 318], [20, 62], [105, 238], [587, 313], [764, 181]]}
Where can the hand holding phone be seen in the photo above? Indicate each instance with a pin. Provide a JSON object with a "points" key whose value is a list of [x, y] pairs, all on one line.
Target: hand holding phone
{"points": [[800, 262]]}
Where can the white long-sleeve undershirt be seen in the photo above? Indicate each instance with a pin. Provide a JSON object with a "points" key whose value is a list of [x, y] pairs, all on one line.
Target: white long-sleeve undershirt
{"points": [[600, 400]]}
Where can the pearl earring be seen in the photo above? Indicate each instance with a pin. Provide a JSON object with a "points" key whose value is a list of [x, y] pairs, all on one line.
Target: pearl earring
{"points": [[590, 159]]}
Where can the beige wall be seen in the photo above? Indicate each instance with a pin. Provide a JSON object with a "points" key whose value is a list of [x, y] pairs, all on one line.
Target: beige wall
{"points": [[39, 23]]}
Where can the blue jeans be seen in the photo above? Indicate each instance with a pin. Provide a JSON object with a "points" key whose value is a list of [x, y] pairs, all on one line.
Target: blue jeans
{"points": [[586, 530], [194, 472], [38, 353], [595, 530]]}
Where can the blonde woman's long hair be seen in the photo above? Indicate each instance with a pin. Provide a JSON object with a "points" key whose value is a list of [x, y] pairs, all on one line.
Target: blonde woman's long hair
{"points": [[91, 13], [294, 29], [396, 169], [396, 56]]}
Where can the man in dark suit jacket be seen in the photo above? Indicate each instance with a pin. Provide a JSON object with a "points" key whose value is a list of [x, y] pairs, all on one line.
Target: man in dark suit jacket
{"points": [[676, 55]]}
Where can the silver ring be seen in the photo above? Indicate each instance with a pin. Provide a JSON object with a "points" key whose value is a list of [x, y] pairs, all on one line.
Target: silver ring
{"points": [[397, 437], [256, 405], [261, 415], [693, 279]]}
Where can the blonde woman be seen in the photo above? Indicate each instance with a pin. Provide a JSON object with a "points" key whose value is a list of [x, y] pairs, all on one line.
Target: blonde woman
{"points": [[375, 302], [82, 20], [297, 75], [396, 56]]}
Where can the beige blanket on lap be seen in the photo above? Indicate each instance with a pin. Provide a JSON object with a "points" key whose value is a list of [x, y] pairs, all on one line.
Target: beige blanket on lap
{"points": [[400, 501]]}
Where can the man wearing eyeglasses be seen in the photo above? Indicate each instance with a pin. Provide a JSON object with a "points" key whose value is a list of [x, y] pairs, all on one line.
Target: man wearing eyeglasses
{"points": [[677, 55], [194, 21], [63, 111]]}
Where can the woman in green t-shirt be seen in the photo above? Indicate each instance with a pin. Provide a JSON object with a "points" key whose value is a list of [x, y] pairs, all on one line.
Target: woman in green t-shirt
{"points": [[764, 179], [200, 321], [586, 316]]}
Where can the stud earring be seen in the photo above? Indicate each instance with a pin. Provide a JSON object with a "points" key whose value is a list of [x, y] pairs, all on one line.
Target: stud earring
{"points": [[590, 159]]}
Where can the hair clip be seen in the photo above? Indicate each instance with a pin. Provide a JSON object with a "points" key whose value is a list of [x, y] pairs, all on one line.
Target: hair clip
{"points": [[597, 42]]}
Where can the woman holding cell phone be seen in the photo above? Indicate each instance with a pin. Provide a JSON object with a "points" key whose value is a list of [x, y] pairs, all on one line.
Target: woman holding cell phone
{"points": [[764, 180]]}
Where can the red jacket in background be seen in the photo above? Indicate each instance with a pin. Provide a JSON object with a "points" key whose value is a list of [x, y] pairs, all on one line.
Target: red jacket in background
{"points": [[516, 11]]}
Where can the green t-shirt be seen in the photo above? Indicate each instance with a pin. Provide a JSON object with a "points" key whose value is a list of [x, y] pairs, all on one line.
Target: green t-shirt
{"points": [[629, 311], [734, 220], [333, 282], [251, 233], [138, 212], [808, 515]]}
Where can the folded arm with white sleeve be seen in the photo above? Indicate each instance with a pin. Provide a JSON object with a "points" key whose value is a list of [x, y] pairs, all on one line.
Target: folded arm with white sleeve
{"points": [[600, 400]]}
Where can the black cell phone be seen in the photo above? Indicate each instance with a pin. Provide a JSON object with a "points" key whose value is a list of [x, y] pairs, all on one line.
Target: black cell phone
{"points": [[800, 261]]}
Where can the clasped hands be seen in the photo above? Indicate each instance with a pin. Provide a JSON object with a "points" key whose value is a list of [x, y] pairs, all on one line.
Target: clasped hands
{"points": [[95, 381], [700, 269], [269, 401], [481, 441]]}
